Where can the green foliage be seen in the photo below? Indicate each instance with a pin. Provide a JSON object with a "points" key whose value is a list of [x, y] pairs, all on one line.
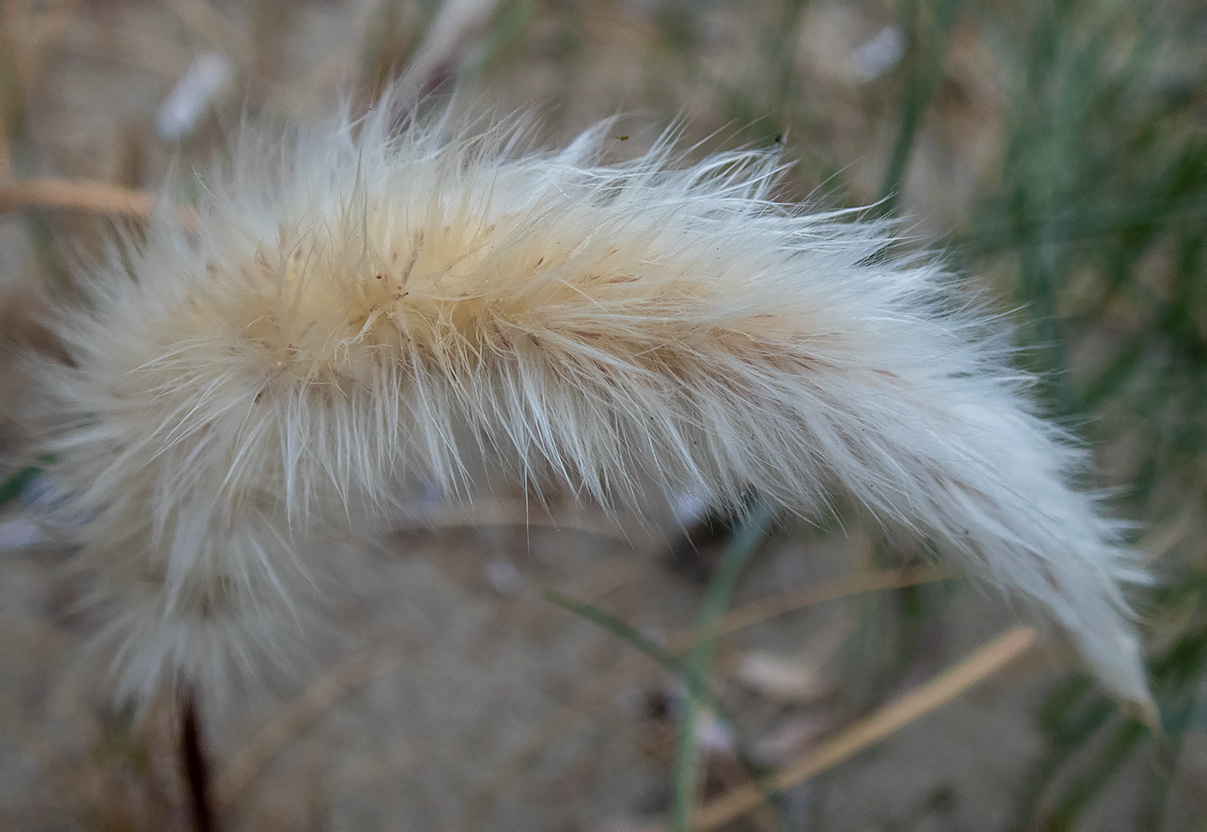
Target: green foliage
{"points": [[1099, 216], [1095, 217], [12, 487]]}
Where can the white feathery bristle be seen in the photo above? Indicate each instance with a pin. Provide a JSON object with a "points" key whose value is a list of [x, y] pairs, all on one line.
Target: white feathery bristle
{"points": [[363, 310]]}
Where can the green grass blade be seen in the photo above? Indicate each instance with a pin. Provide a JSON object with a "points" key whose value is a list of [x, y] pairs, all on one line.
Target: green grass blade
{"points": [[929, 60], [740, 548], [12, 487]]}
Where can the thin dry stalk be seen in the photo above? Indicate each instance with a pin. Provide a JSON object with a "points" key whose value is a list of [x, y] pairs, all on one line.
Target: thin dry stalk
{"points": [[500, 512], [679, 643], [757, 612], [973, 669], [457, 29], [246, 764], [605, 579], [96, 197]]}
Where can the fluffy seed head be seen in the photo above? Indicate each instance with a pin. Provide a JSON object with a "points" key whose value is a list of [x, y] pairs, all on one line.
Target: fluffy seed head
{"points": [[362, 308]]}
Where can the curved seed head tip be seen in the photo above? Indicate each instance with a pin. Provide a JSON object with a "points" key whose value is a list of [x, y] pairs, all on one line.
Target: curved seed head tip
{"points": [[1119, 663], [392, 309]]}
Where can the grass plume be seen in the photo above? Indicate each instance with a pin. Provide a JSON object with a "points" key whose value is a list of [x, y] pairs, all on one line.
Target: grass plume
{"points": [[362, 308]]}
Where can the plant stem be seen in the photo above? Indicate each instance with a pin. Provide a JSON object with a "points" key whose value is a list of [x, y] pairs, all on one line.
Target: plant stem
{"points": [[742, 545], [196, 767], [928, 57]]}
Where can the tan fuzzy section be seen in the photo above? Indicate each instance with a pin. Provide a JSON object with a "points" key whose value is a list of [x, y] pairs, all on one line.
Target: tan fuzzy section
{"points": [[387, 311]]}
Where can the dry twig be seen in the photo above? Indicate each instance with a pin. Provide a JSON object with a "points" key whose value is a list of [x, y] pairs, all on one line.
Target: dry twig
{"points": [[745, 616], [98, 197], [964, 674], [292, 720]]}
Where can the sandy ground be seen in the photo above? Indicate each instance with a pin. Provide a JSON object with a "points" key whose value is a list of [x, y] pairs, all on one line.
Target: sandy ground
{"points": [[451, 666]]}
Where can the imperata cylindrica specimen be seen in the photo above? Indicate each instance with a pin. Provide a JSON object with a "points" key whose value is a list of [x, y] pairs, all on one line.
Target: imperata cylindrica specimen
{"points": [[360, 308]]}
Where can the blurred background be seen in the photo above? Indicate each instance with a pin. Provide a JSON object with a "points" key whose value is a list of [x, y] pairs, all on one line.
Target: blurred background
{"points": [[498, 675]]}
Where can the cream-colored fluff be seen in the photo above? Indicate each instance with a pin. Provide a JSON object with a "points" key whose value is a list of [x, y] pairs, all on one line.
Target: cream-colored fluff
{"points": [[362, 308]]}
